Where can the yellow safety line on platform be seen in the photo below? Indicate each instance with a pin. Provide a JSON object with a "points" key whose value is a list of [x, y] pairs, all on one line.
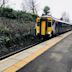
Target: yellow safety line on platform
{"points": [[28, 59]]}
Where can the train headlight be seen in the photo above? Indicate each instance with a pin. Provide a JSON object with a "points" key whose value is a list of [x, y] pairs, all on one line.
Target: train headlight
{"points": [[37, 31], [49, 32]]}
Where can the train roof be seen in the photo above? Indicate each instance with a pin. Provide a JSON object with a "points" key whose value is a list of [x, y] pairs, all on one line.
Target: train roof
{"points": [[46, 16], [58, 20]]}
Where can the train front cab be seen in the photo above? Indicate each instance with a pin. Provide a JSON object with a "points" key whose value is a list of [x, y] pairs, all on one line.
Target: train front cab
{"points": [[44, 27]]}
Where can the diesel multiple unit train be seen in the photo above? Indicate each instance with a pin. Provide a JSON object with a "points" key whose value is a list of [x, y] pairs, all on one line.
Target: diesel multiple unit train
{"points": [[49, 26]]}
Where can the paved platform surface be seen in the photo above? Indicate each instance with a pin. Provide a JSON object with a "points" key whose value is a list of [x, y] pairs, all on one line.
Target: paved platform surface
{"points": [[21, 59], [56, 59]]}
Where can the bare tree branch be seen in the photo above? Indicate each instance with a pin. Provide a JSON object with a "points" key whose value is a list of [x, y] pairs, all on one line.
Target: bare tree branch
{"points": [[31, 6], [3, 3], [23, 5], [65, 17]]}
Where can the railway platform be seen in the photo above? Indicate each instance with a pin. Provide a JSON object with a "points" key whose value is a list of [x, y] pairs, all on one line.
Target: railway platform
{"points": [[54, 55]]}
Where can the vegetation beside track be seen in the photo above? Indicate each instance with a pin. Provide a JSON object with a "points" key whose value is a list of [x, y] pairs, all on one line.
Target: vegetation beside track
{"points": [[15, 30]]}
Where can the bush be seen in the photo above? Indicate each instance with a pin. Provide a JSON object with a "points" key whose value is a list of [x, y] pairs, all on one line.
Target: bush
{"points": [[10, 13], [15, 26]]}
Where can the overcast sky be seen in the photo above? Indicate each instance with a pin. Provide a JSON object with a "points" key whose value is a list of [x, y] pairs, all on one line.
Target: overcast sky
{"points": [[57, 6]]}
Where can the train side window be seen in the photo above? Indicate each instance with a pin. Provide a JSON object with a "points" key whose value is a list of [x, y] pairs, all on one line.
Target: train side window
{"points": [[63, 24], [49, 24]]}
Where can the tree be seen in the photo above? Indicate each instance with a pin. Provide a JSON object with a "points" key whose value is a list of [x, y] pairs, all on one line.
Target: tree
{"points": [[30, 5], [33, 6], [24, 5], [46, 10], [3, 2], [65, 17]]}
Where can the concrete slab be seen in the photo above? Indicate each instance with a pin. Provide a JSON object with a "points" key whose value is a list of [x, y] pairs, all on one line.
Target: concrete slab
{"points": [[57, 59], [28, 55]]}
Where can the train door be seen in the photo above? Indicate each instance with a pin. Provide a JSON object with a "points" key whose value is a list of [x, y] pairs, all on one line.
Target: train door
{"points": [[43, 27], [58, 27]]}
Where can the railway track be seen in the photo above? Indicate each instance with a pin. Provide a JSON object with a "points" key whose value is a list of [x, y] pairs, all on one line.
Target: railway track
{"points": [[12, 53], [20, 49], [23, 48]]}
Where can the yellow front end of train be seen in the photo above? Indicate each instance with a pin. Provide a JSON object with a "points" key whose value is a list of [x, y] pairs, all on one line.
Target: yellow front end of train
{"points": [[44, 26]]}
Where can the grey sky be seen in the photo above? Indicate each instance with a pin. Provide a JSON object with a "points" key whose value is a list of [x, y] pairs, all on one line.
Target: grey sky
{"points": [[57, 6]]}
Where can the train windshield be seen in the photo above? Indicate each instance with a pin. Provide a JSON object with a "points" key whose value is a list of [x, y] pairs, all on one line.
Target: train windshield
{"points": [[49, 24], [38, 23]]}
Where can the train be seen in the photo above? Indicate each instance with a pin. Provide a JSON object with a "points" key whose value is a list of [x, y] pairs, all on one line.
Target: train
{"points": [[48, 26]]}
